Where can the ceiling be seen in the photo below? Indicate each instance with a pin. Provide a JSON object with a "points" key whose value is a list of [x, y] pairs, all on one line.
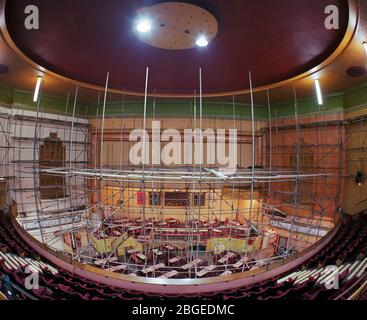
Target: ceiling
{"points": [[281, 43], [175, 25]]}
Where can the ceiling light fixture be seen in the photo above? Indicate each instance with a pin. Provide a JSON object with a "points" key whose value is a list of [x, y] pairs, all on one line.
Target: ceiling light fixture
{"points": [[202, 41], [319, 93], [37, 89], [144, 26]]}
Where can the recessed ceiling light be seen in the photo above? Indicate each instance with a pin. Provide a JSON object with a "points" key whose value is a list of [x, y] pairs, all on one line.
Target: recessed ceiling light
{"points": [[144, 26], [356, 71], [202, 41], [4, 69]]}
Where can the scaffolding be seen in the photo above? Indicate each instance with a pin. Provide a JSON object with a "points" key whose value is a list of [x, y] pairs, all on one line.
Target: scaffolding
{"points": [[287, 183]]}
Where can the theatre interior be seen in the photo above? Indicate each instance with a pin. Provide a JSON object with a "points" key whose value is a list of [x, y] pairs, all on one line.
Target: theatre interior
{"points": [[183, 150]]}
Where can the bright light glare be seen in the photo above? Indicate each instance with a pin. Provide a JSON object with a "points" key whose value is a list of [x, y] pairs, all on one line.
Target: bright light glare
{"points": [[37, 89], [365, 46], [144, 26], [202, 41], [319, 93]]}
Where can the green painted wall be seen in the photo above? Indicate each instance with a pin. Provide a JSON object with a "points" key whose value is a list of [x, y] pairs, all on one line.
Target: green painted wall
{"points": [[6, 95], [356, 97], [179, 109], [50, 104], [305, 106], [24, 100], [350, 100]]}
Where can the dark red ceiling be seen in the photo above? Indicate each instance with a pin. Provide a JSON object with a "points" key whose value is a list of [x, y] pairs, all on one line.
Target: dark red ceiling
{"points": [[84, 39]]}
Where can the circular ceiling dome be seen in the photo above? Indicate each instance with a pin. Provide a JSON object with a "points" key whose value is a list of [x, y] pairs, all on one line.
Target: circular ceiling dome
{"points": [[275, 40], [175, 25]]}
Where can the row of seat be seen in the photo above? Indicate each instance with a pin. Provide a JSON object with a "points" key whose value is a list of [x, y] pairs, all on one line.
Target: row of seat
{"points": [[311, 281]]}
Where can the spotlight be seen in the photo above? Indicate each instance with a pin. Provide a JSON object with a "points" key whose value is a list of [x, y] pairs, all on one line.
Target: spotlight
{"points": [[359, 179], [144, 26], [365, 46], [37, 89], [319, 93], [202, 41]]}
